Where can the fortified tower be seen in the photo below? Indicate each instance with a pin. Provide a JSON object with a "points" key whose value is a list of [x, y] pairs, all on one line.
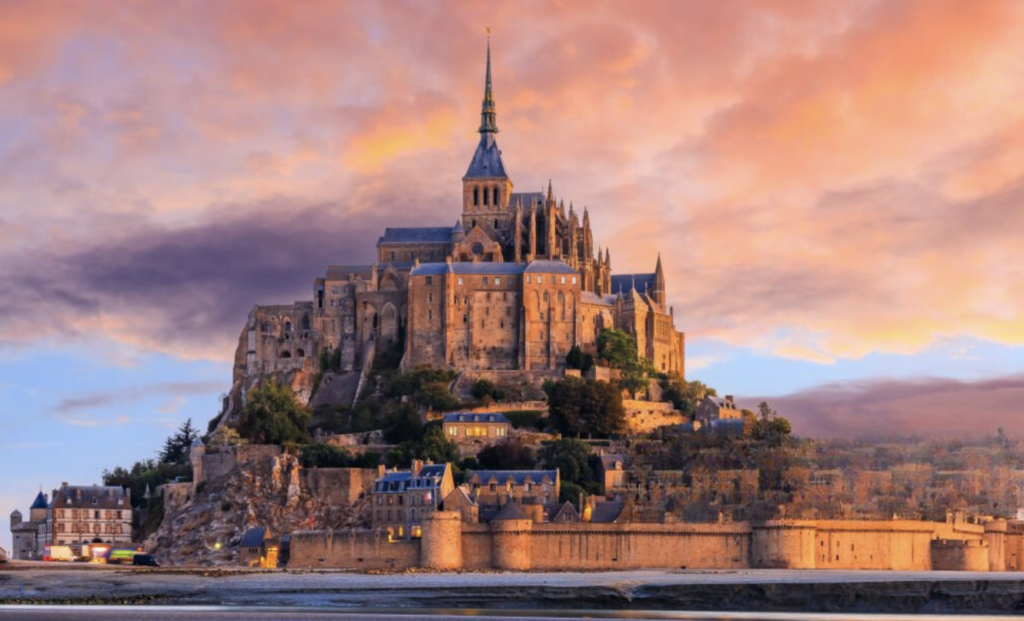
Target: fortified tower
{"points": [[441, 544], [511, 530]]}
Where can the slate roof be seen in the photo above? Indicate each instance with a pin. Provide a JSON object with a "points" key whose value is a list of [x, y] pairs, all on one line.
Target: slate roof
{"points": [[528, 198], [511, 511], [429, 478], [624, 282], [420, 235], [608, 461], [606, 512], [253, 538], [341, 272], [518, 476], [466, 417], [463, 267], [105, 497], [486, 162], [592, 298], [40, 502], [550, 267]]}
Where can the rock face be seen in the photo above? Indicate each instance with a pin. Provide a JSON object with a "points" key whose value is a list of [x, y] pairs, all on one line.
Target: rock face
{"points": [[251, 486]]}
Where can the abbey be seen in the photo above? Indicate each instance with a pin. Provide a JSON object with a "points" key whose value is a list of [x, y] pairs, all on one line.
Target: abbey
{"points": [[514, 284]]}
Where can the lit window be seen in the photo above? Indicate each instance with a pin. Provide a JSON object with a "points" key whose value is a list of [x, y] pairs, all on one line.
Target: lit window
{"points": [[563, 280], [461, 281], [527, 279], [497, 280], [574, 280]]}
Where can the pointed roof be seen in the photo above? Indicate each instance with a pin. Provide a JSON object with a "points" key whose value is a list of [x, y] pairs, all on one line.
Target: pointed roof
{"points": [[40, 502], [511, 511], [488, 114]]}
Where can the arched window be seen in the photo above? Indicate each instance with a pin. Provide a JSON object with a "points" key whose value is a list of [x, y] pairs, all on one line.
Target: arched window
{"points": [[305, 322], [476, 196], [545, 296], [286, 354], [496, 201], [300, 353], [487, 195], [287, 325]]}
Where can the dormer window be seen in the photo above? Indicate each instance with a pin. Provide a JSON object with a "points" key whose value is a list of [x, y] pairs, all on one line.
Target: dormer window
{"points": [[95, 501]]}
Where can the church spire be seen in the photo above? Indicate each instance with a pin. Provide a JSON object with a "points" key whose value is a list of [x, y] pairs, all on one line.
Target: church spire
{"points": [[488, 116]]}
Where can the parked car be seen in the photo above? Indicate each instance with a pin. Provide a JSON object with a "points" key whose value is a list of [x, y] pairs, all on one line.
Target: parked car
{"points": [[145, 560]]}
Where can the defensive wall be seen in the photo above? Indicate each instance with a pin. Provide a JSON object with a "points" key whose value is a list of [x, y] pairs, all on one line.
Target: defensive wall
{"points": [[522, 544]]}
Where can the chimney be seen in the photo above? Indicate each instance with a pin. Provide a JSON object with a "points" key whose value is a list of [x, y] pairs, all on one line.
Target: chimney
{"points": [[728, 399], [417, 465], [381, 471]]}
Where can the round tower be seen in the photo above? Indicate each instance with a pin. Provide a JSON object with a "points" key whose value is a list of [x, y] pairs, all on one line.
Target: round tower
{"points": [[441, 545], [784, 544], [511, 531]]}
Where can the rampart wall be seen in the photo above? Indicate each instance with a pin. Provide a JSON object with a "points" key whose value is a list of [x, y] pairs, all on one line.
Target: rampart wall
{"points": [[526, 545], [338, 486]]}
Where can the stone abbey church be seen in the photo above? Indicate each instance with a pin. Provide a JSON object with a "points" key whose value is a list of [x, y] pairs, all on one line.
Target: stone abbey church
{"points": [[513, 285]]}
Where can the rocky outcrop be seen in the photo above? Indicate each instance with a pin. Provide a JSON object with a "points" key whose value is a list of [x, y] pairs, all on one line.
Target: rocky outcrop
{"points": [[257, 488]]}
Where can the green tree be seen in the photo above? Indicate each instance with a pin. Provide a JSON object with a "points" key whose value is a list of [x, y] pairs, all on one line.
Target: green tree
{"points": [[616, 347], [438, 448], [771, 428], [507, 455], [577, 359], [273, 416], [176, 447], [572, 459], [403, 424], [578, 406]]}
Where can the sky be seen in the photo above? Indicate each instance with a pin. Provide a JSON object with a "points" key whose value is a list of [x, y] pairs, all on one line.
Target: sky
{"points": [[836, 189]]}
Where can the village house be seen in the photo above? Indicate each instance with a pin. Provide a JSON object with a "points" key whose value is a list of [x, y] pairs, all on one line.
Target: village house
{"points": [[400, 499]]}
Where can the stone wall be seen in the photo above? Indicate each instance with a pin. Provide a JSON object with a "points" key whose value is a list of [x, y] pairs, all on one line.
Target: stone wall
{"points": [[349, 549], [646, 416], [952, 555], [338, 485], [902, 545]]}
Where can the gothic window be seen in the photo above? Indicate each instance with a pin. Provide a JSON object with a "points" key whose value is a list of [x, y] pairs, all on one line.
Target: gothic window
{"points": [[476, 196], [287, 325], [496, 202], [561, 299], [545, 296], [487, 196]]}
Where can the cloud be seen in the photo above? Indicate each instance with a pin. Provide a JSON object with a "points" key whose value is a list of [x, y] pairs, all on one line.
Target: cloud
{"points": [[922, 407], [78, 410], [825, 180]]}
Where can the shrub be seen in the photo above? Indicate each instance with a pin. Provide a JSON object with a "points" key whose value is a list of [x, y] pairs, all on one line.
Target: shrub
{"points": [[525, 419], [483, 388]]}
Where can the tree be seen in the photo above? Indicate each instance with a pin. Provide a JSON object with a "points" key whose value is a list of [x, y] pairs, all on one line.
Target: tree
{"points": [[577, 359], [177, 446], [507, 455], [686, 396], [572, 459], [771, 428], [579, 406], [273, 416], [437, 448], [616, 347], [483, 388], [403, 424]]}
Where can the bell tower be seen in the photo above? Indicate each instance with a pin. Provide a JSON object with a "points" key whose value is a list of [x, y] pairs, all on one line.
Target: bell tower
{"points": [[486, 187]]}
